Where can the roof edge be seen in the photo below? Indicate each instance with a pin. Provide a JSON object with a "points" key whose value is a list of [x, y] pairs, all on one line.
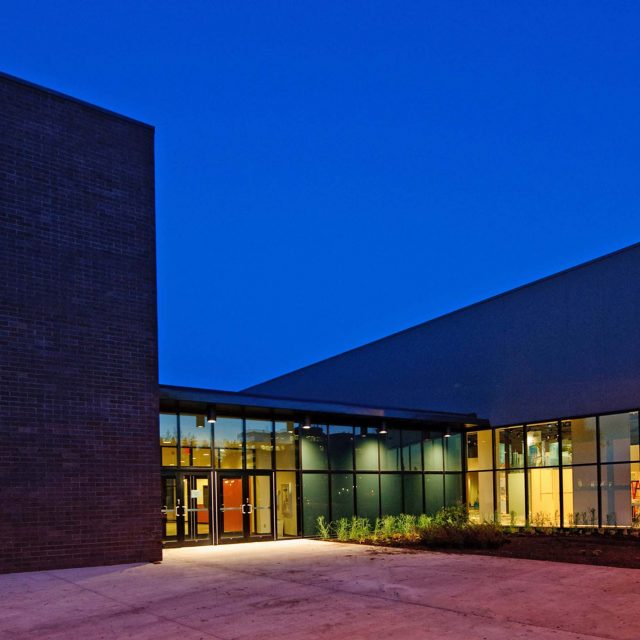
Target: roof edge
{"points": [[557, 274], [70, 98]]}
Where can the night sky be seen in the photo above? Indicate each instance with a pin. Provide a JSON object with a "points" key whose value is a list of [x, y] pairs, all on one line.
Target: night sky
{"points": [[332, 172]]}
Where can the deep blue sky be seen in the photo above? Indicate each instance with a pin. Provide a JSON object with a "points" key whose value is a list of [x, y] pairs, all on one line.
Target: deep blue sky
{"points": [[331, 172]]}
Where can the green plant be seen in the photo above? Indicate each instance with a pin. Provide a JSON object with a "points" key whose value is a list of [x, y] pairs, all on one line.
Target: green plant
{"points": [[387, 526], [342, 529], [359, 529], [423, 520], [324, 528], [456, 515]]}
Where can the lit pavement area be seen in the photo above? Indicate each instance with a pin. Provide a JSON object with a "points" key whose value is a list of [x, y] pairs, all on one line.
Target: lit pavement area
{"points": [[302, 589]]}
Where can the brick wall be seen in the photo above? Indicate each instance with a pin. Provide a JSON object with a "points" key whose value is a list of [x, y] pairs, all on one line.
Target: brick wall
{"points": [[79, 459]]}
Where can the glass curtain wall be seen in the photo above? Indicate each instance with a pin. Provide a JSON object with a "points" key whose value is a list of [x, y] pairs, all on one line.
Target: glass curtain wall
{"points": [[331, 470], [575, 472]]}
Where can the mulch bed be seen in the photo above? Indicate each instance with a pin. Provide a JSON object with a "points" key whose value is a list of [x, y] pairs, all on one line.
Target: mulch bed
{"points": [[594, 549]]}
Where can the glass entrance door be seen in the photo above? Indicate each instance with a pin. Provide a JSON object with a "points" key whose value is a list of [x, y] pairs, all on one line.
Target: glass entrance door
{"points": [[186, 509], [245, 506]]}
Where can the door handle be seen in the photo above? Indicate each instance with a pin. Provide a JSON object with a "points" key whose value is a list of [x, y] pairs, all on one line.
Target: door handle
{"points": [[250, 507]]}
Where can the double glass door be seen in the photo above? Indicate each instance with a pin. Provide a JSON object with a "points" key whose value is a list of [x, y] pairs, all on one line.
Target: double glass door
{"points": [[186, 509], [244, 506]]}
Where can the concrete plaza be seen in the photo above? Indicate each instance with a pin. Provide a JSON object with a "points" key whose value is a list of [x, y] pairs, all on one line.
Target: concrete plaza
{"points": [[303, 589]]}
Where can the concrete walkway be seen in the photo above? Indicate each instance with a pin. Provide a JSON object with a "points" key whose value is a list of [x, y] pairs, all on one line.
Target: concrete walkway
{"points": [[303, 589]]}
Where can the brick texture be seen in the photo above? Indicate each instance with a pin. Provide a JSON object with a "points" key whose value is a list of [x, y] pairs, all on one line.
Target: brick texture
{"points": [[79, 456]]}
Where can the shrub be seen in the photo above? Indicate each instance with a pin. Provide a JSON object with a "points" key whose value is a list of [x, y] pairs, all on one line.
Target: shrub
{"points": [[449, 528]]}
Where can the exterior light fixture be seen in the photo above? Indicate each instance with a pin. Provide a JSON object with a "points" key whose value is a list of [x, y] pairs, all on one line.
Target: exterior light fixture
{"points": [[383, 429], [447, 433], [211, 414], [307, 423]]}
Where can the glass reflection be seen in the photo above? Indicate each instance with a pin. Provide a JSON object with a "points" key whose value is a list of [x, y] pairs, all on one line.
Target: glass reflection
{"points": [[286, 440], [228, 443], [195, 440], [169, 439], [259, 438]]}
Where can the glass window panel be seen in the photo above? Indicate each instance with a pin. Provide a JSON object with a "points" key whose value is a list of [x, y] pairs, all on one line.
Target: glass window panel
{"points": [[433, 492], [286, 504], [544, 497], [169, 457], [578, 441], [635, 494], [580, 491], [391, 494], [453, 452], [480, 496], [433, 451], [510, 488], [313, 447], [542, 444], [618, 487], [390, 450], [341, 447], [619, 437], [228, 443], [315, 492], [509, 448], [195, 440], [341, 495], [260, 518], [367, 497], [286, 441], [413, 493], [452, 489], [411, 450], [366, 449], [259, 435], [169, 439], [168, 429], [479, 450]]}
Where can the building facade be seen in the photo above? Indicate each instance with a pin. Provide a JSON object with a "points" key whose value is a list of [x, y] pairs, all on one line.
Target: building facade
{"points": [[524, 407], [78, 349]]}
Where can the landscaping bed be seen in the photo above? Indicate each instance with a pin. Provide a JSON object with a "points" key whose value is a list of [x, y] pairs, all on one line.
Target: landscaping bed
{"points": [[450, 530]]}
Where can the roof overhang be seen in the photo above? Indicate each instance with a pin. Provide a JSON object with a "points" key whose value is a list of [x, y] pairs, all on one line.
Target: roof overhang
{"points": [[254, 405]]}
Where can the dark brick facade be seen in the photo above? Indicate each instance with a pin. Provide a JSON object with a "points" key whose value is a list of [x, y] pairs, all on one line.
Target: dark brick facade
{"points": [[79, 456]]}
